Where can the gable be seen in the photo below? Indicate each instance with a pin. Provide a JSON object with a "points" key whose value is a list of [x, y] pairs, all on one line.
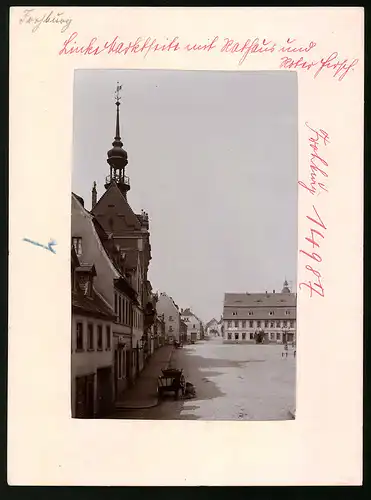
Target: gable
{"points": [[114, 213]]}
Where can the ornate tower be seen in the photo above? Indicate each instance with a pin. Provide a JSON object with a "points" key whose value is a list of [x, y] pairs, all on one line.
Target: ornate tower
{"points": [[286, 288], [117, 157]]}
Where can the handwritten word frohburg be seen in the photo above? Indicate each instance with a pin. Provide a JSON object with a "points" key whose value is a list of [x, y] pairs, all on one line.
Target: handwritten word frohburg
{"points": [[317, 162], [30, 17]]}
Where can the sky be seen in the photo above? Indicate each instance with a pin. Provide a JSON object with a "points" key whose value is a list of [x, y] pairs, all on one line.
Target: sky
{"points": [[213, 159]]}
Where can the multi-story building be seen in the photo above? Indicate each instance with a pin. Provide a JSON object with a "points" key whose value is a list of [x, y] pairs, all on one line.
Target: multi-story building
{"points": [[194, 325], [91, 344], [270, 317], [170, 311], [116, 285]]}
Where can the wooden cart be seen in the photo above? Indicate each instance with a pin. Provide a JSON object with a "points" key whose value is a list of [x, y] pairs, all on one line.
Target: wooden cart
{"points": [[171, 380]]}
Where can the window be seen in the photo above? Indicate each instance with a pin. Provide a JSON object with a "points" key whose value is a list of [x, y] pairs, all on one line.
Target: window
{"points": [[236, 336], [271, 313], [278, 324], [265, 324], [89, 288], [116, 303], [258, 323], [272, 336], [287, 313], [194, 326], [272, 324], [285, 323], [90, 337], [170, 328], [79, 337], [229, 324], [229, 336], [234, 313], [251, 336], [250, 324], [244, 336], [108, 337], [278, 336], [171, 318], [100, 338], [236, 324], [77, 244], [291, 324], [243, 324], [250, 313]]}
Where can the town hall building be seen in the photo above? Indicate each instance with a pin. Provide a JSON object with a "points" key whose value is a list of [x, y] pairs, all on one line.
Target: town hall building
{"points": [[270, 315]]}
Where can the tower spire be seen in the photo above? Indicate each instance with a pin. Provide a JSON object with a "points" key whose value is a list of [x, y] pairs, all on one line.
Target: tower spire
{"points": [[117, 102], [117, 156]]}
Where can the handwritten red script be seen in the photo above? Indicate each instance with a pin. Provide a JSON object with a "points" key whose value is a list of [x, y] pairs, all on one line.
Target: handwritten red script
{"points": [[318, 139], [288, 53]]}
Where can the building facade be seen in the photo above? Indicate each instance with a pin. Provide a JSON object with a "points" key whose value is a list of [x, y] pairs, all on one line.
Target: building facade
{"points": [[92, 379], [212, 329], [170, 312], [194, 325], [116, 284], [260, 317]]}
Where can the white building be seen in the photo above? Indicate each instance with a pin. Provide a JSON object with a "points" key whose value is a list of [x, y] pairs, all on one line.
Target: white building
{"points": [[91, 345], [194, 324], [166, 306], [118, 291], [272, 316]]}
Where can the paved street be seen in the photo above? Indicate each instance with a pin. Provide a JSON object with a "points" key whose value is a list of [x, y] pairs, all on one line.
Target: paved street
{"points": [[233, 382]]}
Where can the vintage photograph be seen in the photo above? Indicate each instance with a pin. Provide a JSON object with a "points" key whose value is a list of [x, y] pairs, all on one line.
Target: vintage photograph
{"points": [[184, 245]]}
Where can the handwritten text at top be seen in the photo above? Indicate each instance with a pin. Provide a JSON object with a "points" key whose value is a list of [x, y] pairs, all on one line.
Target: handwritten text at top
{"points": [[290, 55]]}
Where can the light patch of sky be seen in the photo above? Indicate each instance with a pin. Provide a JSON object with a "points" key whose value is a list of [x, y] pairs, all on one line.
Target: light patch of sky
{"points": [[213, 160]]}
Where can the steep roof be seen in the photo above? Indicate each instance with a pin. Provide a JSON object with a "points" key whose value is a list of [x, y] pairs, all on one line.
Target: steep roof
{"points": [[259, 299], [114, 205], [92, 306], [259, 305]]}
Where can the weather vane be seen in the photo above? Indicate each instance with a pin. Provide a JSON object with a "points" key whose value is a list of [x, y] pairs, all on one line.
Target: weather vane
{"points": [[117, 93]]}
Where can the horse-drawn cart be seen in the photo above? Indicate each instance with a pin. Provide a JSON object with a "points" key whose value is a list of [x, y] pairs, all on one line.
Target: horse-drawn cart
{"points": [[171, 380]]}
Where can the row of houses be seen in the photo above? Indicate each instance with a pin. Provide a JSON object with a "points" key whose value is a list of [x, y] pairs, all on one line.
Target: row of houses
{"points": [[181, 325], [117, 320]]}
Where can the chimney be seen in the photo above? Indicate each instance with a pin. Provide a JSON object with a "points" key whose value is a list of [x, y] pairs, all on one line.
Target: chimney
{"points": [[94, 195]]}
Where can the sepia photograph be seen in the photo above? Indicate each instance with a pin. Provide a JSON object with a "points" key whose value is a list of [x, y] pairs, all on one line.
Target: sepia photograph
{"points": [[184, 215]]}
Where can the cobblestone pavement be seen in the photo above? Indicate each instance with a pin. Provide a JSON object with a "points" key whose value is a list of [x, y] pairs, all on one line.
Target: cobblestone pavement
{"points": [[233, 382], [144, 392]]}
